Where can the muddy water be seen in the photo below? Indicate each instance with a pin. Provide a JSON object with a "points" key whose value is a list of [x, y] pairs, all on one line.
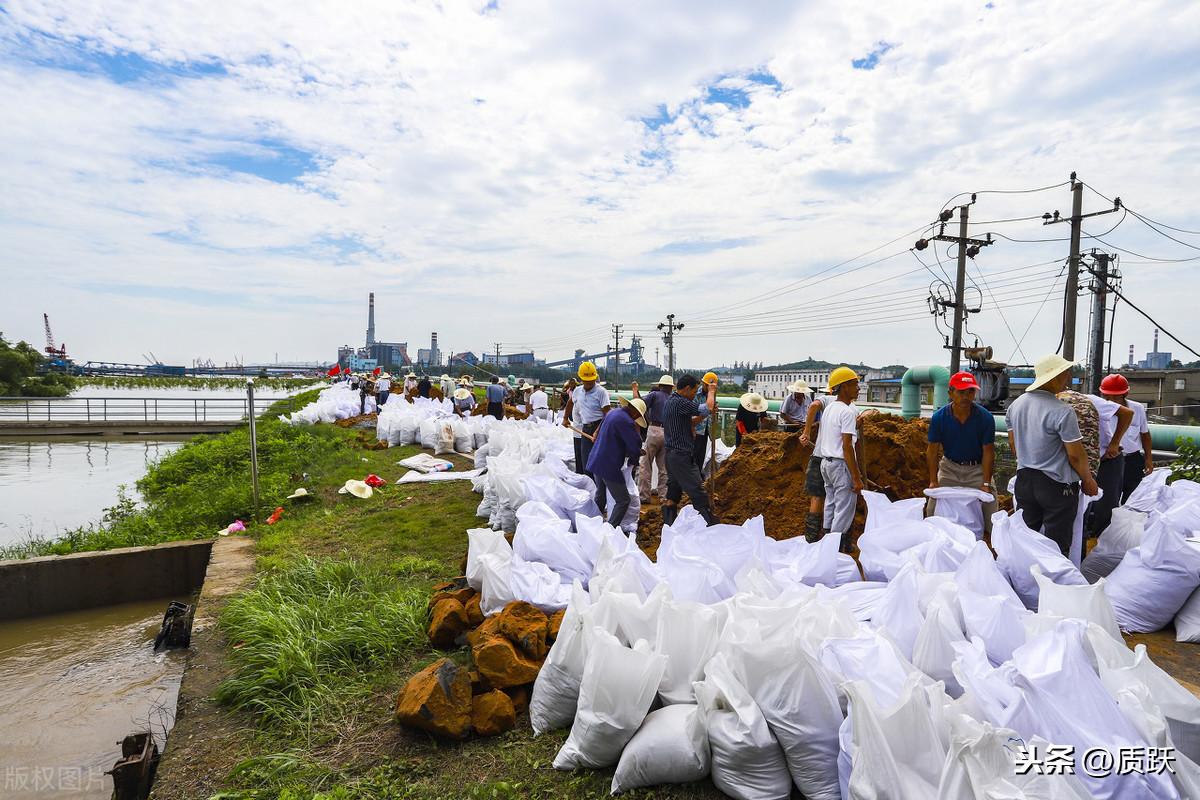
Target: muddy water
{"points": [[52, 485], [71, 686]]}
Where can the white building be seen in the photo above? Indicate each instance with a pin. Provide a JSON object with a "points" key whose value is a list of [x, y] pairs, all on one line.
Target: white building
{"points": [[773, 384]]}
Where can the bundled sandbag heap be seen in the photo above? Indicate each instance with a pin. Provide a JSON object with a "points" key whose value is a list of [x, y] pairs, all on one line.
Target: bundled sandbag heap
{"points": [[430, 423], [335, 402], [768, 667]]}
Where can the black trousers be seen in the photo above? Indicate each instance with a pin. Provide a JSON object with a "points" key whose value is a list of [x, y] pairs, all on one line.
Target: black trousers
{"points": [[1135, 463], [1109, 476], [583, 447], [1048, 505], [496, 410], [621, 499], [684, 476]]}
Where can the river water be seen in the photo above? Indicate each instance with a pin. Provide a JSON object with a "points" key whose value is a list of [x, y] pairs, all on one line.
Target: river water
{"points": [[53, 484], [71, 687]]}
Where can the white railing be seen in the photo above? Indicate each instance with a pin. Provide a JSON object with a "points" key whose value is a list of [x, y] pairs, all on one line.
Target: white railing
{"points": [[130, 409]]}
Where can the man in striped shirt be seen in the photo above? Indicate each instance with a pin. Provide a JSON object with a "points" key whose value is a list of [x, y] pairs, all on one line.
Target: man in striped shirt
{"points": [[680, 414]]}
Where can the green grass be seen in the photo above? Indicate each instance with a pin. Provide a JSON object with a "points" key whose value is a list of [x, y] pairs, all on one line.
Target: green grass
{"points": [[183, 382], [308, 638]]}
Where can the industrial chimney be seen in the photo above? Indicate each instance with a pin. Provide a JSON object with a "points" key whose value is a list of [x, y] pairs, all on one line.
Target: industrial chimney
{"points": [[434, 356], [1156, 340], [371, 320], [1131, 355]]}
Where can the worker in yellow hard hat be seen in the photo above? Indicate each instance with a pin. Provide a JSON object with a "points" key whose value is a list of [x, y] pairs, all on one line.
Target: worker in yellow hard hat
{"points": [[586, 407], [835, 446], [700, 445]]}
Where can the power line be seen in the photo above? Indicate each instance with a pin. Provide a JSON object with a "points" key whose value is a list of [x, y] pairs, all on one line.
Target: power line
{"points": [[1156, 323], [1029, 327], [1004, 191]]}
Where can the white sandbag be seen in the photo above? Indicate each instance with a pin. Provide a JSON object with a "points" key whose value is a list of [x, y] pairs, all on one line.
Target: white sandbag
{"points": [[694, 578], [1187, 620], [899, 611], [479, 542], [933, 652], [870, 657], [1140, 708], [981, 763], [1057, 678], [687, 635], [428, 433], [747, 763], [1146, 496], [556, 690], [566, 500], [1018, 549], [537, 584], [860, 598], [629, 617], [1082, 503], [1122, 535], [1121, 668], [996, 620], [409, 429], [1085, 601], [494, 570], [797, 696], [979, 573], [551, 542], [899, 749], [883, 514], [796, 561], [1155, 579], [670, 747], [618, 686], [444, 438], [621, 566], [729, 547], [464, 440], [880, 550], [481, 455], [961, 505], [847, 570]]}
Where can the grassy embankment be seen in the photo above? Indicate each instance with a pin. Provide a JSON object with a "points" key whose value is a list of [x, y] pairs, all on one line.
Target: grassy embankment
{"points": [[180, 382], [334, 626]]}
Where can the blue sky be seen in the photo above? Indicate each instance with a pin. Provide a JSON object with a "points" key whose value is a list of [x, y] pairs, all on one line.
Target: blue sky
{"points": [[233, 184]]}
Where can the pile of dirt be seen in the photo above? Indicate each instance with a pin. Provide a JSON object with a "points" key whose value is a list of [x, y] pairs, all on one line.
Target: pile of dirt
{"points": [[359, 421], [507, 650], [765, 475]]}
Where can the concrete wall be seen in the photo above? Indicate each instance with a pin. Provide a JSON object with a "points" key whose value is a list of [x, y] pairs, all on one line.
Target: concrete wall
{"points": [[52, 584]]}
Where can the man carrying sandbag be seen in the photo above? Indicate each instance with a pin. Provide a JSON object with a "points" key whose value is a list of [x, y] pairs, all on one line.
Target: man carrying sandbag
{"points": [[836, 439], [680, 415], [1052, 465], [617, 443], [961, 448]]}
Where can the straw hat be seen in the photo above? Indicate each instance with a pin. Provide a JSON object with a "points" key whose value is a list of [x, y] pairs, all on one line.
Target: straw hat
{"points": [[754, 402], [1047, 369], [800, 386], [357, 488], [461, 394], [387, 375], [639, 405], [666, 380], [445, 377], [301, 492]]}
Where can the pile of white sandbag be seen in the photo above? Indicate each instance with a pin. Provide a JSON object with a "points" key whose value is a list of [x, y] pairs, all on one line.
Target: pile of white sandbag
{"points": [[335, 402], [770, 666]]}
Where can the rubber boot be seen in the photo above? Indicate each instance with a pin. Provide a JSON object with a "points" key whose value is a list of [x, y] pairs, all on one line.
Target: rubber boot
{"points": [[812, 528], [670, 514]]}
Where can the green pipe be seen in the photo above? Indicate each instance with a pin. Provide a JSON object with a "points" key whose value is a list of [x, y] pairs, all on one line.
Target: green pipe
{"points": [[910, 389]]}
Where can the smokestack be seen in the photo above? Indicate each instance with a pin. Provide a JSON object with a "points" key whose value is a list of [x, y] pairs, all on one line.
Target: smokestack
{"points": [[1131, 355], [434, 356], [1156, 340], [371, 320]]}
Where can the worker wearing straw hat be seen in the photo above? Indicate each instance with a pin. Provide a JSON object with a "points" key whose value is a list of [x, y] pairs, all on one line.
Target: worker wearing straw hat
{"points": [[794, 408], [410, 383], [464, 401], [383, 388], [1052, 466], [752, 410], [447, 385], [654, 456], [617, 443]]}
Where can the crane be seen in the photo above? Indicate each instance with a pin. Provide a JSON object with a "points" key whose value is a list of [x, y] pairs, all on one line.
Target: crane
{"points": [[59, 352]]}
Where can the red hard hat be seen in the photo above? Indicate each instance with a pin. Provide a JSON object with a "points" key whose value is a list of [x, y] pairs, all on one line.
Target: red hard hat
{"points": [[1114, 384], [963, 380]]}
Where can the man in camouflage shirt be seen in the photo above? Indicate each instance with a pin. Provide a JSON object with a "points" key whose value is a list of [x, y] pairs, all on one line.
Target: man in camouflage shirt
{"points": [[1089, 424]]}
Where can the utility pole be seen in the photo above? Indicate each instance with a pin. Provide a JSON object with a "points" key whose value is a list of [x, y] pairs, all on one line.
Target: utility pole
{"points": [[616, 329], [670, 327], [1102, 272], [1072, 293], [967, 248], [497, 356]]}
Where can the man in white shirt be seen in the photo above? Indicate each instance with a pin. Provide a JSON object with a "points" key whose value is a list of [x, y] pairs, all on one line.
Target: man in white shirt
{"points": [[1115, 421], [383, 387], [539, 403], [1137, 448], [586, 407], [836, 438]]}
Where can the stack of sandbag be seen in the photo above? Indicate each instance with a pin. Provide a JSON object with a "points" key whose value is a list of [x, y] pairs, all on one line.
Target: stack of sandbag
{"points": [[333, 403]]}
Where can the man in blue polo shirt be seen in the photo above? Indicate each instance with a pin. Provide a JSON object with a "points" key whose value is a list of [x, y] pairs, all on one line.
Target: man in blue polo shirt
{"points": [[961, 449]]}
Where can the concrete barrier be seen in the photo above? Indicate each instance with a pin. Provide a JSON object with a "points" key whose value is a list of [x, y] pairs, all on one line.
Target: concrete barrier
{"points": [[50, 584]]}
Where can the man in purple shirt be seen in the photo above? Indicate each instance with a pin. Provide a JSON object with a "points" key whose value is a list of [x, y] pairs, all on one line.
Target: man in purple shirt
{"points": [[617, 443]]}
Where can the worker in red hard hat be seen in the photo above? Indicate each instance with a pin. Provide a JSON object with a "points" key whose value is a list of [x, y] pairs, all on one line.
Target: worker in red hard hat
{"points": [[961, 444], [1136, 448]]}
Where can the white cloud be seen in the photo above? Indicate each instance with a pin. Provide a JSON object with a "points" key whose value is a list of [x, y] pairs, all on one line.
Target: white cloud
{"points": [[489, 175]]}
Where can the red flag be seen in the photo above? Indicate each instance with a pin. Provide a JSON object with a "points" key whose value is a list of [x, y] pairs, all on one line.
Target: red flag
{"points": [[334, 370], [376, 371], [345, 370]]}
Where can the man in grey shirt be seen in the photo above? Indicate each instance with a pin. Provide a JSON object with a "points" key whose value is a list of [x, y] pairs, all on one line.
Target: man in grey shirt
{"points": [[794, 408], [1052, 464]]}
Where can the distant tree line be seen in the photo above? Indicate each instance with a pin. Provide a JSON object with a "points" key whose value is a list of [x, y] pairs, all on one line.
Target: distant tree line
{"points": [[23, 373]]}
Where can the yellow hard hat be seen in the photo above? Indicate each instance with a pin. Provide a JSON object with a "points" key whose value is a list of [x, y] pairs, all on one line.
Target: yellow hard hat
{"points": [[840, 376], [587, 371], [709, 377]]}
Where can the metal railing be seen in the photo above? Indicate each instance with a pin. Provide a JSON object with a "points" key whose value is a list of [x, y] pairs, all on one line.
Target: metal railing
{"points": [[132, 409]]}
